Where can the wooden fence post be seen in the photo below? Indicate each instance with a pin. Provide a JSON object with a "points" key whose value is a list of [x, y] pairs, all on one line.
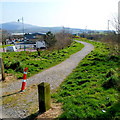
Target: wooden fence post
{"points": [[2, 69], [44, 97]]}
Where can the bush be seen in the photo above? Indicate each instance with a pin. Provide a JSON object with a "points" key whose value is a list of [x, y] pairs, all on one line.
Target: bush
{"points": [[112, 79], [15, 64], [63, 40], [49, 39], [111, 82]]}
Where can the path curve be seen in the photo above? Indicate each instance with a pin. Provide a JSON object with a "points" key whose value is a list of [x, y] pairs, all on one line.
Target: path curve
{"points": [[54, 75]]}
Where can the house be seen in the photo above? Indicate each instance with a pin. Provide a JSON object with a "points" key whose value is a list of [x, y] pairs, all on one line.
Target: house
{"points": [[33, 35], [40, 45]]}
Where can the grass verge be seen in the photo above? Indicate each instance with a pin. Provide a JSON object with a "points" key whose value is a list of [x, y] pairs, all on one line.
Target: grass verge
{"points": [[91, 92], [3, 46], [14, 62]]}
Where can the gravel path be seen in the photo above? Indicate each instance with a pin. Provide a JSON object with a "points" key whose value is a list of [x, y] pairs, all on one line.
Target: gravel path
{"points": [[54, 75]]}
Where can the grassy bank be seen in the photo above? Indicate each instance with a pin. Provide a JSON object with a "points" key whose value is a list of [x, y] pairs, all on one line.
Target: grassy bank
{"points": [[91, 92], [4, 46], [14, 62]]}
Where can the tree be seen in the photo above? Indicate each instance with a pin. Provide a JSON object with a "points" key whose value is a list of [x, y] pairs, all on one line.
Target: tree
{"points": [[50, 39], [64, 39], [5, 35], [113, 38]]}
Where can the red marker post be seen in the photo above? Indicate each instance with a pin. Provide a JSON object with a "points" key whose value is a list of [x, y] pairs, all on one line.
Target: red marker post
{"points": [[24, 79]]}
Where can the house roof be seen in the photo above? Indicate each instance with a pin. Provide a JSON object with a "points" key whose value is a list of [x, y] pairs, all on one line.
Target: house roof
{"points": [[37, 33], [16, 33]]}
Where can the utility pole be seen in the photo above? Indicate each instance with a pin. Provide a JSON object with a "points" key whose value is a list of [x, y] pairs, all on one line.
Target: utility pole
{"points": [[108, 25], [22, 29], [86, 29], [119, 18], [119, 23], [22, 24]]}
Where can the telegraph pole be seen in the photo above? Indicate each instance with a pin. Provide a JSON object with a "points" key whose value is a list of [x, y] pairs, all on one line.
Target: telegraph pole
{"points": [[22, 24], [22, 29], [119, 18], [119, 24], [108, 25]]}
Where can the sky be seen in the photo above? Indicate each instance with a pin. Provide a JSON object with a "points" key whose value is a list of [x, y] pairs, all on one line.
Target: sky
{"points": [[84, 14]]}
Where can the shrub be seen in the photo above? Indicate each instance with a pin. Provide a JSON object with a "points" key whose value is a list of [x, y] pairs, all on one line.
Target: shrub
{"points": [[112, 79], [15, 64]]}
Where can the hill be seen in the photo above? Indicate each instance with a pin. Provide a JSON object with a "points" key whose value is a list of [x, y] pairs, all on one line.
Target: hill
{"points": [[16, 27]]}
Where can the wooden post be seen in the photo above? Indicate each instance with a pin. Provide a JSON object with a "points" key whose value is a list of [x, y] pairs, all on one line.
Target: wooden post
{"points": [[2, 69], [44, 97], [38, 50]]}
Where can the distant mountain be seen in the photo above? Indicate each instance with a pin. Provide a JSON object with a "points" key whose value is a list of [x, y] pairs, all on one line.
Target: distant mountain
{"points": [[17, 27], [12, 26]]}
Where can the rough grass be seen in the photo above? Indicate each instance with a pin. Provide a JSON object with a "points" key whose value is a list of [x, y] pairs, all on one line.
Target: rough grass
{"points": [[15, 62], [3, 46], [91, 91]]}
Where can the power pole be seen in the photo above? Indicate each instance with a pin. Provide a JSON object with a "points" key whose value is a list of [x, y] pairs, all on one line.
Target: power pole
{"points": [[22, 29], [108, 25], [119, 18], [22, 19], [119, 24]]}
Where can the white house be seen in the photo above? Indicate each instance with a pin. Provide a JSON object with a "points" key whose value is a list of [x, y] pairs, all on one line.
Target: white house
{"points": [[40, 44]]}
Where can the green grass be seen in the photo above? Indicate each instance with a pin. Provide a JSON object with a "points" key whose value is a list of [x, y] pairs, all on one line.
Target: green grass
{"points": [[3, 46], [91, 91], [15, 62]]}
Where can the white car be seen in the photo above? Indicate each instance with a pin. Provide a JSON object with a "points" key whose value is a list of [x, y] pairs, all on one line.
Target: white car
{"points": [[11, 49]]}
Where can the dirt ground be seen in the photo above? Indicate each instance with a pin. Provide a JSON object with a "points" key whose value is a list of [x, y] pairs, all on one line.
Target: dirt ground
{"points": [[52, 113]]}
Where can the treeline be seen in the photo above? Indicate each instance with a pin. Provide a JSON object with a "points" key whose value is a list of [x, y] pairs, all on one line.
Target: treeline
{"points": [[110, 38], [113, 40]]}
